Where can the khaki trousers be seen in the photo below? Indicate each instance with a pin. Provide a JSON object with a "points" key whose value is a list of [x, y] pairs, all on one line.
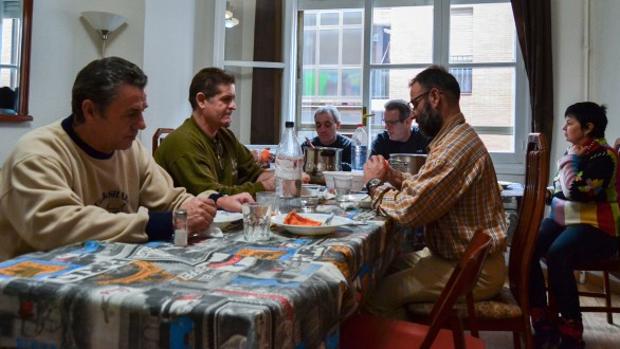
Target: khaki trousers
{"points": [[421, 276]]}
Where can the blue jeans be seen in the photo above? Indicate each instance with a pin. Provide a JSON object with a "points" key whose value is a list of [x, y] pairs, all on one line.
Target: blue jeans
{"points": [[564, 247]]}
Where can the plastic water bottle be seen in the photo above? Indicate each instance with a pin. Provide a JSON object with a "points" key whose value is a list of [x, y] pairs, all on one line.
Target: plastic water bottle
{"points": [[289, 164], [359, 148]]}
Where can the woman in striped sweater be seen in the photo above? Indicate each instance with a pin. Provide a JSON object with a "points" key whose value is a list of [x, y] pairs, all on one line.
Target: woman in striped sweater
{"points": [[583, 225]]}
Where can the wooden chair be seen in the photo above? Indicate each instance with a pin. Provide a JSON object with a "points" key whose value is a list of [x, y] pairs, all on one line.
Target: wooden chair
{"points": [[508, 311], [605, 266], [159, 136], [367, 331]]}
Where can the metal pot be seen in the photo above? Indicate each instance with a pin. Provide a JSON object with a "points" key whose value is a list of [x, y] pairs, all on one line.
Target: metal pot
{"points": [[405, 162], [319, 159]]}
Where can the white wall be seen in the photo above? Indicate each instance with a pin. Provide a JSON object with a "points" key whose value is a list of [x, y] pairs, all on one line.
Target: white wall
{"points": [[568, 81], [61, 45], [569, 70], [605, 57], [168, 62]]}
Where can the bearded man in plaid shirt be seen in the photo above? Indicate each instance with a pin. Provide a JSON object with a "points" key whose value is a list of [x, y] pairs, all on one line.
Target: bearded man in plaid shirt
{"points": [[453, 195]]}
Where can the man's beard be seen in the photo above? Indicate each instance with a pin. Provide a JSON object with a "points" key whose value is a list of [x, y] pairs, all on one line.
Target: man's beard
{"points": [[429, 121]]}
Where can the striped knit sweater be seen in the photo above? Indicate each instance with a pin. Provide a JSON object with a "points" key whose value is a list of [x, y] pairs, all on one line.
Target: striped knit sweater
{"points": [[586, 188]]}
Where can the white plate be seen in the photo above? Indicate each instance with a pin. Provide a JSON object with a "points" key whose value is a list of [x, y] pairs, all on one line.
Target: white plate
{"points": [[336, 222], [224, 217]]}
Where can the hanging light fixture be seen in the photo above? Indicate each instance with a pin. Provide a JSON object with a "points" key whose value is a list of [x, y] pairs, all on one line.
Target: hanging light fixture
{"points": [[231, 22], [229, 19]]}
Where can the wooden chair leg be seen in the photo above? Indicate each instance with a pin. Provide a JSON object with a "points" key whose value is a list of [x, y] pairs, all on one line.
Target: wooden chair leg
{"points": [[457, 334], [527, 335], [610, 315], [471, 319], [516, 340]]}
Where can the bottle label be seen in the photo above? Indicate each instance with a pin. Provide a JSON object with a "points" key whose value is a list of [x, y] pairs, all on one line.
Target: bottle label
{"points": [[289, 169]]}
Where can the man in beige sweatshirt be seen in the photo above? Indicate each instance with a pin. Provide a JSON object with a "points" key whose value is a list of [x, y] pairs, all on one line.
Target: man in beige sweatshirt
{"points": [[87, 177]]}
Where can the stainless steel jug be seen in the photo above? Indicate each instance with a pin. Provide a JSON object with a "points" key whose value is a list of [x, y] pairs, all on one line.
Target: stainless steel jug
{"points": [[319, 159], [405, 162]]}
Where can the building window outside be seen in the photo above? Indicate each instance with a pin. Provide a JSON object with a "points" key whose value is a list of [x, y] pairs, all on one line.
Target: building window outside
{"points": [[402, 43], [332, 62], [463, 75]]}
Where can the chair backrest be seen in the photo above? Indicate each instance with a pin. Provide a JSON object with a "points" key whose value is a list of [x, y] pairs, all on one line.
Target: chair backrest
{"points": [[159, 136], [530, 215], [462, 281]]}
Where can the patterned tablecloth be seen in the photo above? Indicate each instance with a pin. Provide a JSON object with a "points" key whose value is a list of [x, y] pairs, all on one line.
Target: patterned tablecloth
{"points": [[289, 292]]}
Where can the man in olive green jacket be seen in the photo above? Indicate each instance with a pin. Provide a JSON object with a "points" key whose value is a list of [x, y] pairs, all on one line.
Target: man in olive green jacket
{"points": [[203, 154]]}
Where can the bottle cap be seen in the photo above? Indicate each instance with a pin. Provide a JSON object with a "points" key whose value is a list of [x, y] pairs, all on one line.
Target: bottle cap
{"points": [[289, 124]]}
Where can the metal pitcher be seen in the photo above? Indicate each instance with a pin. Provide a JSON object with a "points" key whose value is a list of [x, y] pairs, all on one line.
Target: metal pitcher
{"points": [[405, 162], [319, 159]]}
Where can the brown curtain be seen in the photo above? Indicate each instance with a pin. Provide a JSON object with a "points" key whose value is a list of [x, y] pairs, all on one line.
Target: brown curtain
{"points": [[267, 83], [533, 21]]}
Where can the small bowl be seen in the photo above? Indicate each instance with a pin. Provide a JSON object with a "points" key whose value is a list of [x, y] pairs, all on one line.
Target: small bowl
{"points": [[357, 178]]}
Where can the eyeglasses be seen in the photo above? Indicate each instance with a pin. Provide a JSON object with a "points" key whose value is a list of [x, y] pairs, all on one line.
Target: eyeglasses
{"points": [[415, 100], [391, 122]]}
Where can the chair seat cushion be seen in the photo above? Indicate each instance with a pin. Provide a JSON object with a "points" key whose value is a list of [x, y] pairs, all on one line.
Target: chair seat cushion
{"points": [[502, 306], [367, 331]]}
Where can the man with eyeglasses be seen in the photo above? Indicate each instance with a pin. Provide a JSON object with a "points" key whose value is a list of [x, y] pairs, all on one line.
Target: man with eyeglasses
{"points": [[454, 194], [399, 135]]}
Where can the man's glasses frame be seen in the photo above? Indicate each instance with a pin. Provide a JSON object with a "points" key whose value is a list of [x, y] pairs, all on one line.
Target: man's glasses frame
{"points": [[392, 122], [415, 100]]}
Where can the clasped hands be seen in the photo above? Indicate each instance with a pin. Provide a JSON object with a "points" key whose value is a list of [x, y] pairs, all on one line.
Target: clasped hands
{"points": [[378, 167]]}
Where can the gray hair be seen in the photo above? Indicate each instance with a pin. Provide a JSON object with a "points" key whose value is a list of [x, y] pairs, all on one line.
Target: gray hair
{"points": [[99, 81], [401, 105], [331, 110]]}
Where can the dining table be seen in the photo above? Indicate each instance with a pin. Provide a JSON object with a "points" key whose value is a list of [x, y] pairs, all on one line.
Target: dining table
{"points": [[290, 291]]}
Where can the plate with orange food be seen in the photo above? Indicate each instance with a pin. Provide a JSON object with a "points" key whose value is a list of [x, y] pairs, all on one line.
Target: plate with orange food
{"points": [[309, 223]]}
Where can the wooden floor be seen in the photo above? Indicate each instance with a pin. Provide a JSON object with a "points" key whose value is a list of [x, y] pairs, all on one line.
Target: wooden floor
{"points": [[598, 334]]}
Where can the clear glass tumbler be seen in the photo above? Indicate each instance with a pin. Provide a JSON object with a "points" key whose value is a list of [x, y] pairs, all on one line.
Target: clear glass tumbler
{"points": [[256, 221]]}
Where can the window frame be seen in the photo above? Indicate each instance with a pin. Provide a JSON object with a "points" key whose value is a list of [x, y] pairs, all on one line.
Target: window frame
{"points": [[506, 162]]}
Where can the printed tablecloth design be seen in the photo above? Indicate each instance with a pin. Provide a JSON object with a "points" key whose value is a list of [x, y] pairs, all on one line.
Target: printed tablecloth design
{"points": [[289, 292]]}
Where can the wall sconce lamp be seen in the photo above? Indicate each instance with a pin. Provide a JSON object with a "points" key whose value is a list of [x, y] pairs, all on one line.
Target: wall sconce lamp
{"points": [[104, 23]]}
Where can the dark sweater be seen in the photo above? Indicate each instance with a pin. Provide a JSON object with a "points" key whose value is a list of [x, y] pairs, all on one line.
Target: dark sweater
{"points": [[416, 144]]}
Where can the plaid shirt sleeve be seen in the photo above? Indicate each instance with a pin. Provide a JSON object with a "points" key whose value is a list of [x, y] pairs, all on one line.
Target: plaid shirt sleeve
{"points": [[427, 196]]}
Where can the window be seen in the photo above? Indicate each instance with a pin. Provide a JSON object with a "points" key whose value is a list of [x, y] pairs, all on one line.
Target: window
{"points": [[9, 54], [251, 44], [474, 39], [463, 76], [332, 63]]}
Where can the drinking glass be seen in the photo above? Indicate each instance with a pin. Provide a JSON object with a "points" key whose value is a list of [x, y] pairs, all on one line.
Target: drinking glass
{"points": [[342, 185], [256, 221], [268, 198], [309, 197]]}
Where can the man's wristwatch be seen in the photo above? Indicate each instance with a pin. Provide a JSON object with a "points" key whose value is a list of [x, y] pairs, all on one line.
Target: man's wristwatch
{"points": [[373, 183]]}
